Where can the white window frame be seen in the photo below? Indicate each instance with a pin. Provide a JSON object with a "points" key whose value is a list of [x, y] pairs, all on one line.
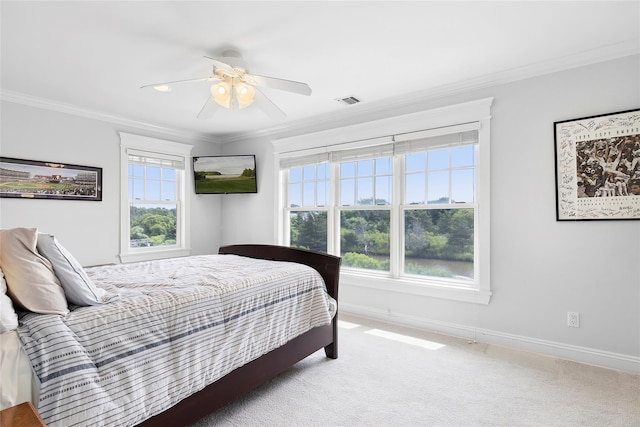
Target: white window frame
{"points": [[130, 143], [415, 125], [382, 148], [308, 160]]}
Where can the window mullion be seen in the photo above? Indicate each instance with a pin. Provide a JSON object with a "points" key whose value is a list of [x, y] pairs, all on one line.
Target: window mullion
{"points": [[286, 218], [333, 218], [396, 228]]}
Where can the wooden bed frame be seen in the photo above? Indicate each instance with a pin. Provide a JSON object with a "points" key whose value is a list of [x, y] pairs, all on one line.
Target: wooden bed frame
{"points": [[266, 367]]}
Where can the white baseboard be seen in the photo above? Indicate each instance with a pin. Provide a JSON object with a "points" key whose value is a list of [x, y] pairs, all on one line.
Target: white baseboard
{"points": [[587, 355]]}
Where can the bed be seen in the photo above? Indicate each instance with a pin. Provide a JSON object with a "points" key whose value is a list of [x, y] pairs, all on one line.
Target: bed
{"points": [[185, 382]]}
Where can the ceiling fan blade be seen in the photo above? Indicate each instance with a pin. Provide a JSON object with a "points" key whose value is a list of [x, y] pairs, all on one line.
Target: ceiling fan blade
{"points": [[281, 84], [180, 81], [222, 66], [208, 109], [267, 106]]}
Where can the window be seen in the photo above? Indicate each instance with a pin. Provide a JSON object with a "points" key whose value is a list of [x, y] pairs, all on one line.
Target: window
{"points": [[364, 211], [307, 202], [438, 209], [407, 211], [154, 203]]}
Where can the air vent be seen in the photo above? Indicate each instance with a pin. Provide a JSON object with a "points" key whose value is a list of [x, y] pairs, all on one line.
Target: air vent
{"points": [[349, 100]]}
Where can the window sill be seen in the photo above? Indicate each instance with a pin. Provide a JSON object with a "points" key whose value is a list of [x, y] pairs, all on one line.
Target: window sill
{"points": [[148, 255], [411, 287]]}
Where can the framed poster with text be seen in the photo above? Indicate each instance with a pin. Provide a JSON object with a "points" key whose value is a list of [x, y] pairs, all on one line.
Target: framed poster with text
{"points": [[598, 167]]}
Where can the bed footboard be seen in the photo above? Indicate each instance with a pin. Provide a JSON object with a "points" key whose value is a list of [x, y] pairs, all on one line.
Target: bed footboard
{"points": [[327, 265]]}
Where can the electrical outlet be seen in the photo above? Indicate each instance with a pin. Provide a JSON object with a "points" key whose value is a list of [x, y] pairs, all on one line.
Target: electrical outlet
{"points": [[573, 319]]}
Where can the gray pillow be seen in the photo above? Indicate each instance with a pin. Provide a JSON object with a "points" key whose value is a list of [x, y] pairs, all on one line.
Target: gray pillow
{"points": [[78, 287]]}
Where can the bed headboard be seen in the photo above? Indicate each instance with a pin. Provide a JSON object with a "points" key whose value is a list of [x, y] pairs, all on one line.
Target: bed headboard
{"points": [[327, 265]]}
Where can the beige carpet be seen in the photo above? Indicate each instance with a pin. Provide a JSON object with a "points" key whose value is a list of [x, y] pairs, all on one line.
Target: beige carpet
{"points": [[434, 381]]}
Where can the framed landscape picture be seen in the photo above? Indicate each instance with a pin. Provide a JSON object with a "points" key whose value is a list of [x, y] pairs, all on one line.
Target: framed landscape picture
{"points": [[32, 179], [598, 167]]}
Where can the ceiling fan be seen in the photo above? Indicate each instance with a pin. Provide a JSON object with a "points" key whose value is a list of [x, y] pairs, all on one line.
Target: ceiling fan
{"points": [[235, 87]]}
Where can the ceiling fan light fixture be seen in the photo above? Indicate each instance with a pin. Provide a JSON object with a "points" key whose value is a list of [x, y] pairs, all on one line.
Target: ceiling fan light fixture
{"points": [[221, 94], [245, 95]]}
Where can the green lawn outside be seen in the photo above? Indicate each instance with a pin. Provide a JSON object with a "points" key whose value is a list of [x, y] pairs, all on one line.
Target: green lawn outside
{"points": [[236, 184]]}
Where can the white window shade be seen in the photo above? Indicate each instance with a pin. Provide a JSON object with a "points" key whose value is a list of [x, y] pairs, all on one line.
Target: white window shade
{"points": [[421, 141], [292, 162], [429, 133], [363, 153], [156, 159], [348, 151]]}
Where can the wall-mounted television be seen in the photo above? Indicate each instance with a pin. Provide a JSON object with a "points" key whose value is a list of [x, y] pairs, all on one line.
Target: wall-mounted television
{"points": [[225, 174]]}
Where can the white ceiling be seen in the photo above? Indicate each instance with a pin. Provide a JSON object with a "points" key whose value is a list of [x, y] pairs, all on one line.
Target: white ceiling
{"points": [[92, 57]]}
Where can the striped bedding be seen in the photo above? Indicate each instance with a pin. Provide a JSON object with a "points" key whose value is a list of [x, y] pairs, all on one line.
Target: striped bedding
{"points": [[176, 326]]}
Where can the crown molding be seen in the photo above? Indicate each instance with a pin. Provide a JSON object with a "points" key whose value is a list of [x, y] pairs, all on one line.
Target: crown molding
{"points": [[60, 107], [414, 102]]}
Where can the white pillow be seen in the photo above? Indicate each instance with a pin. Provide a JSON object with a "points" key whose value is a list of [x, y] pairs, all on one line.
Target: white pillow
{"points": [[31, 282], [78, 287], [8, 316]]}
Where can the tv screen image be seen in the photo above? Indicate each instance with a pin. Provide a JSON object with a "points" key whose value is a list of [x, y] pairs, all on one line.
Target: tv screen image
{"points": [[225, 174]]}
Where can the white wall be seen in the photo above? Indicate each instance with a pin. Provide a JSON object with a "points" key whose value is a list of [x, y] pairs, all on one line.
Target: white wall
{"points": [[540, 268], [249, 218], [89, 230]]}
